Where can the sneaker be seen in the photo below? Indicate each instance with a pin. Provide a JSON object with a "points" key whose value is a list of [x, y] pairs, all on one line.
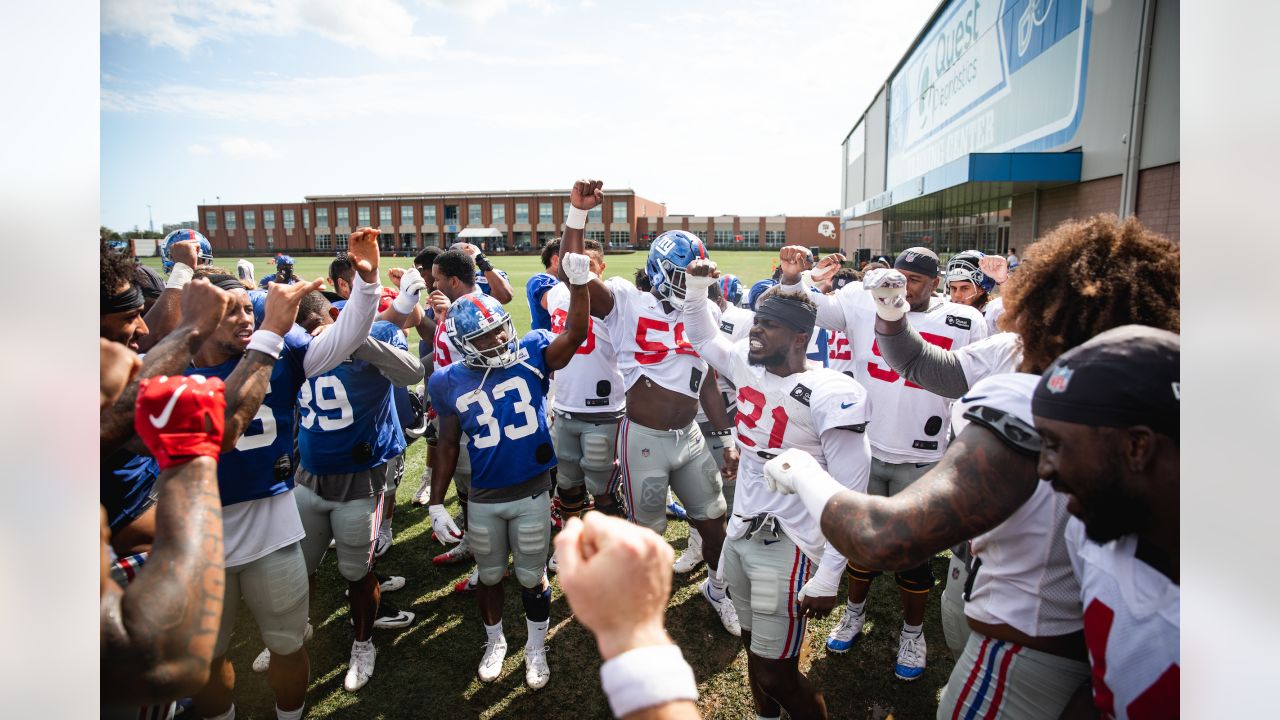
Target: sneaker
{"points": [[847, 632], [690, 558], [552, 565], [263, 661], [387, 583], [557, 519], [536, 670], [468, 583], [333, 543], [383, 544], [491, 664], [423, 494], [456, 554], [724, 609], [389, 617], [360, 669], [675, 509], [911, 652]]}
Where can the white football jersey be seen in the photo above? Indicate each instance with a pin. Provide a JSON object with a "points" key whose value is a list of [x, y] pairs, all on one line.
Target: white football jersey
{"points": [[776, 413], [839, 351], [1025, 577], [995, 355], [735, 324], [445, 352], [651, 342], [590, 382], [1131, 627], [910, 423], [991, 313]]}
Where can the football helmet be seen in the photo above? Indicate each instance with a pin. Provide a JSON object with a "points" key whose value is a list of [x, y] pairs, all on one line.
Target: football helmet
{"points": [[731, 289], [473, 316], [205, 257], [670, 253], [757, 290], [283, 261], [964, 266]]}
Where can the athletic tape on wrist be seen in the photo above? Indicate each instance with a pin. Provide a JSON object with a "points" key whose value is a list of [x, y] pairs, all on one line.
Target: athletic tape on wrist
{"points": [[265, 341], [576, 219], [645, 677], [179, 276]]}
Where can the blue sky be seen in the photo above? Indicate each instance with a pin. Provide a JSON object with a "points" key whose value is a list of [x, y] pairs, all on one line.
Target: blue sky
{"points": [[710, 107]]}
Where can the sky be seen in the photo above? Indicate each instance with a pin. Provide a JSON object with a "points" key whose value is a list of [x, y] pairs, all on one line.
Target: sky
{"points": [[733, 107]]}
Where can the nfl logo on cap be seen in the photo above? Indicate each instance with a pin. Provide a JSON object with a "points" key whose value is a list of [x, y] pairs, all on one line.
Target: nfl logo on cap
{"points": [[1059, 378], [644, 452], [909, 257]]}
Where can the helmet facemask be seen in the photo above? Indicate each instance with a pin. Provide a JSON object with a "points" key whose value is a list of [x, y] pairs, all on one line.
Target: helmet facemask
{"points": [[501, 355], [672, 286]]}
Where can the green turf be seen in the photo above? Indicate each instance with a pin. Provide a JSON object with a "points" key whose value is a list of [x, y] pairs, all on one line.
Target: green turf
{"points": [[429, 669]]}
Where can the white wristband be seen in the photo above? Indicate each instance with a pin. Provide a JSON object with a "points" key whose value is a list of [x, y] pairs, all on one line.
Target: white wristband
{"points": [[179, 276], [815, 491], [265, 341], [576, 219], [646, 677]]}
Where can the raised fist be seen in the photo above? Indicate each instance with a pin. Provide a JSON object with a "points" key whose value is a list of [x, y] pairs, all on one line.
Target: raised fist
{"points": [[411, 286], [179, 418], [577, 268], [186, 252], [782, 473], [794, 259], [204, 305], [827, 267], [362, 251], [700, 275], [995, 267], [587, 194], [888, 289]]}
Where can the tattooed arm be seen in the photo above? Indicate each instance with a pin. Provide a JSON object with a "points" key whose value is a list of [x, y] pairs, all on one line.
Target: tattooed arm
{"points": [[157, 636]]}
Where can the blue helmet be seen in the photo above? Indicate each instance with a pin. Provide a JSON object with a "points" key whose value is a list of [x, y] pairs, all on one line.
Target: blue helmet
{"points": [[205, 256], [670, 253], [284, 260], [731, 289], [473, 316], [757, 290], [964, 266]]}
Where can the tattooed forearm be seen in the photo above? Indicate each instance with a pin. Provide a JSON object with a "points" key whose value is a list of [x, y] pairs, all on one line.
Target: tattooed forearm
{"points": [[977, 485], [158, 635], [169, 357], [246, 387]]}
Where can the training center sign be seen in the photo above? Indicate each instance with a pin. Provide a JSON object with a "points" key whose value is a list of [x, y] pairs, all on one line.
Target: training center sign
{"points": [[989, 76]]}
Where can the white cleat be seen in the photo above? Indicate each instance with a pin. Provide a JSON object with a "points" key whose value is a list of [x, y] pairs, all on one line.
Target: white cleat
{"points": [[263, 661], [536, 670], [360, 669], [423, 494], [691, 557], [552, 565], [491, 664], [847, 632], [724, 609]]}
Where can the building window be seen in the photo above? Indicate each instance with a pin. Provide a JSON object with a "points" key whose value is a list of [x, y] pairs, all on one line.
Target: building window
{"points": [[344, 216], [775, 238], [702, 235], [250, 241], [271, 241], [619, 212], [723, 238], [387, 241], [342, 241], [428, 214], [597, 235], [430, 240], [306, 218], [450, 214], [564, 211], [322, 217], [595, 215], [362, 215], [544, 212], [288, 219], [620, 238], [322, 242], [269, 219], [522, 212], [229, 219], [406, 214], [210, 220], [473, 214], [384, 216], [408, 241], [250, 220], [750, 238], [499, 211]]}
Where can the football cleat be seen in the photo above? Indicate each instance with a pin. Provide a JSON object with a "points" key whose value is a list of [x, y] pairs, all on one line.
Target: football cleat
{"points": [[423, 494], [383, 543], [691, 557], [911, 654], [724, 608], [386, 583], [536, 670], [675, 509], [389, 617], [552, 565], [468, 583], [847, 632], [263, 661], [360, 669], [495, 651], [456, 554]]}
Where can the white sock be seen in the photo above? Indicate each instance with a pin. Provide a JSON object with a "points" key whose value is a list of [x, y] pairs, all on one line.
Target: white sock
{"points": [[362, 646], [537, 633], [290, 714], [912, 630], [856, 608], [493, 631], [230, 714], [718, 585], [695, 540]]}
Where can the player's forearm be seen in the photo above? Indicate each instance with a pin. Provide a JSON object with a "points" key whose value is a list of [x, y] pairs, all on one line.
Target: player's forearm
{"points": [[348, 332], [169, 357], [167, 620], [937, 370], [700, 327], [499, 288], [163, 317], [402, 320], [401, 367], [246, 387], [445, 464]]}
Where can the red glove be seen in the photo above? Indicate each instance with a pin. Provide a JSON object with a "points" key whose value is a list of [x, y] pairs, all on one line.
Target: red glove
{"points": [[180, 418]]}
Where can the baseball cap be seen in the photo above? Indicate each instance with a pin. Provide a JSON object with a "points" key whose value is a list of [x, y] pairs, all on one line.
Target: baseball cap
{"points": [[918, 260]]}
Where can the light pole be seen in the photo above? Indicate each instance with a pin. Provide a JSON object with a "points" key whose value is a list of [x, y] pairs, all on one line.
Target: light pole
{"points": [[151, 225]]}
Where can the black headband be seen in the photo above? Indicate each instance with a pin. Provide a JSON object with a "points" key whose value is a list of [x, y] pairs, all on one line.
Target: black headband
{"points": [[123, 301], [229, 283], [792, 312]]}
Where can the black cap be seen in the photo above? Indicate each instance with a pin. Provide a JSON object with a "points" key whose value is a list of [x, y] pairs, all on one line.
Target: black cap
{"points": [[148, 281], [1123, 377], [918, 260]]}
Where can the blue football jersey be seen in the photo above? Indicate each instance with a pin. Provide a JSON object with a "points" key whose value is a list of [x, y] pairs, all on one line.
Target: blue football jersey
{"points": [[482, 282], [261, 464], [347, 421], [506, 420], [534, 290]]}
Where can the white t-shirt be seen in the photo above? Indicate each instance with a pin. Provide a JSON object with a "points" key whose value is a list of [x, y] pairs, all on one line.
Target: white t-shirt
{"points": [[651, 342], [1025, 577], [593, 368], [1131, 626], [256, 528]]}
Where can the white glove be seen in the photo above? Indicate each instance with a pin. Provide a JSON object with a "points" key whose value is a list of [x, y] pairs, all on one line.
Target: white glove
{"points": [[244, 269], [796, 472], [577, 268], [442, 526], [411, 286], [820, 585], [698, 283], [889, 291]]}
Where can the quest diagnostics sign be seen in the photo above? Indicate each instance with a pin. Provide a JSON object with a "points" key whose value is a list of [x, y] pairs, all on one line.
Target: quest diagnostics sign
{"points": [[989, 76]]}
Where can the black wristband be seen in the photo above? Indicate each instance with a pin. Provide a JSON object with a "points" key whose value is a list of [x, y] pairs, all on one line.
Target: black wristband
{"points": [[721, 433], [483, 264]]}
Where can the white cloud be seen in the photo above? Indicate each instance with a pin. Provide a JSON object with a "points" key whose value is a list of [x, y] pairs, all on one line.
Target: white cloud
{"points": [[484, 10], [239, 147], [198, 149]]}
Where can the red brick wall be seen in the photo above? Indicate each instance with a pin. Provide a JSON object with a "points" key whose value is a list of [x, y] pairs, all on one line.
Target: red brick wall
{"points": [[1157, 205], [1158, 200]]}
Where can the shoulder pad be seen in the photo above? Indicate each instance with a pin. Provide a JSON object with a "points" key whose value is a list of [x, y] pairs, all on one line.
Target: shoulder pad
{"points": [[1014, 432]]}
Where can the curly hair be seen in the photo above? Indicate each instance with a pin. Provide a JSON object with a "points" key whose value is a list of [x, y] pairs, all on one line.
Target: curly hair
{"points": [[1087, 276], [115, 269]]}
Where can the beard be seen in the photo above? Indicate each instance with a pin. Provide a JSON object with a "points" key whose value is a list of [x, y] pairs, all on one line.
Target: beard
{"points": [[1112, 512], [767, 359]]}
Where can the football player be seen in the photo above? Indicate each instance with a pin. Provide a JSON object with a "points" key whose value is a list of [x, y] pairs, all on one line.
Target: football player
{"points": [[497, 395], [909, 429], [535, 290], [659, 444], [490, 280], [772, 542], [264, 371], [968, 284]]}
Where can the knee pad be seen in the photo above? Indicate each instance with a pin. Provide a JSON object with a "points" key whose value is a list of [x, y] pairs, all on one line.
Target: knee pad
{"points": [[537, 603], [351, 568], [491, 575], [857, 573], [598, 452], [918, 579]]}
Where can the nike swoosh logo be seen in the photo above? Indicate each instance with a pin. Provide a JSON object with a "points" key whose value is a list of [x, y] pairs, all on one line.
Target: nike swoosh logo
{"points": [[163, 419], [846, 406], [972, 399], [769, 542]]}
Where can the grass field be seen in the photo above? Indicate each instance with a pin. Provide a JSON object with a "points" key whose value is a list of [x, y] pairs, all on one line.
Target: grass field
{"points": [[429, 668]]}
